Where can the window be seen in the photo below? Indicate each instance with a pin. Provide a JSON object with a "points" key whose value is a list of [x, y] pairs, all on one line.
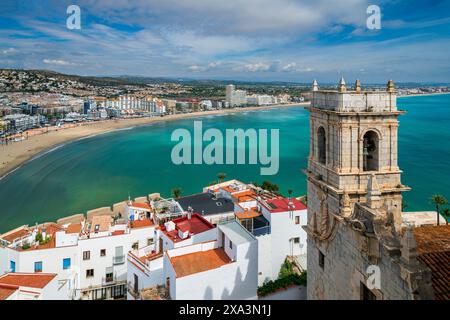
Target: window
{"points": [[231, 244], [86, 255], [321, 259], [135, 246], [322, 146], [66, 263], [96, 228], [38, 266], [102, 252], [12, 266], [89, 273], [297, 220], [297, 240], [366, 294], [149, 241], [370, 151], [109, 274]]}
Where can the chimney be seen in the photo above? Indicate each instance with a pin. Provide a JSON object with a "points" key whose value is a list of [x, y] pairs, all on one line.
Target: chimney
{"points": [[357, 86]]}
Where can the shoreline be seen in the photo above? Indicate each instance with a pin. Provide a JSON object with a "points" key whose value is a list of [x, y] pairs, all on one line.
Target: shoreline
{"points": [[16, 154], [423, 94]]}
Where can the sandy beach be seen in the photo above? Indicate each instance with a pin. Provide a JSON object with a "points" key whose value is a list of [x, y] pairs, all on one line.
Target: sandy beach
{"points": [[40, 140]]}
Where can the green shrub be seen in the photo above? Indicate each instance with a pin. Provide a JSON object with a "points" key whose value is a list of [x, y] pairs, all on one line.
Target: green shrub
{"points": [[282, 282]]}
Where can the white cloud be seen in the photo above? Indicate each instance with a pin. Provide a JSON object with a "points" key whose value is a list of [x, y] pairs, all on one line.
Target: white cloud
{"points": [[196, 68], [58, 62], [257, 67]]}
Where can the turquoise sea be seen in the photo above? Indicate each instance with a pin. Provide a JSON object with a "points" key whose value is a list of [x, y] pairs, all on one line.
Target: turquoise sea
{"points": [[102, 170]]}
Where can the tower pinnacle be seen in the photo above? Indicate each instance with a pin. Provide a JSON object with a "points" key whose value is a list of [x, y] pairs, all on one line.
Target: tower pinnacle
{"points": [[342, 87]]}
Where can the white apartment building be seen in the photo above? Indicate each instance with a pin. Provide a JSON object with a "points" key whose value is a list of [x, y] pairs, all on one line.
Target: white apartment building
{"points": [[261, 100], [23, 121], [274, 220], [145, 267], [128, 102], [235, 97], [88, 257]]}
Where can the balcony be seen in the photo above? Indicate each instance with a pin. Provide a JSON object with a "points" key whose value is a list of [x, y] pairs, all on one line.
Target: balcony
{"points": [[131, 290], [119, 260], [261, 231]]}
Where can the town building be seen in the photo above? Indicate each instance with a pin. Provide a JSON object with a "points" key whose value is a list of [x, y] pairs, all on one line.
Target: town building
{"points": [[225, 268], [31, 286], [88, 257], [24, 122], [235, 98], [212, 207]]}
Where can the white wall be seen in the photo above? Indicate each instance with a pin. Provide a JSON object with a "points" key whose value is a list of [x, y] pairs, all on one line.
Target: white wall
{"points": [[236, 280], [147, 276], [282, 232]]}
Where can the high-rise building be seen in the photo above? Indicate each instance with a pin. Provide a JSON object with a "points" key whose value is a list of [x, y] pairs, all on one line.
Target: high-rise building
{"points": [[235, 97]]}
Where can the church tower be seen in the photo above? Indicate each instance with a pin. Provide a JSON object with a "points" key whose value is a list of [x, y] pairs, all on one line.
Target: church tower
{"points": [[353, 179]]}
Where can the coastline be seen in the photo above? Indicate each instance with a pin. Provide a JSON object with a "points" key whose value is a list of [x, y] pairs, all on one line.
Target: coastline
{"points": [[16, 154], [423, 94]]}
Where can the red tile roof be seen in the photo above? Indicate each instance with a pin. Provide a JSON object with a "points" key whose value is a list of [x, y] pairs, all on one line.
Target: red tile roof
{"points": [[141, 205], [6, 290], [15, 235], [281, 204], [197, 224], [433, 246], [74, 228], [141, 223], [196, 262], [33, 280]]}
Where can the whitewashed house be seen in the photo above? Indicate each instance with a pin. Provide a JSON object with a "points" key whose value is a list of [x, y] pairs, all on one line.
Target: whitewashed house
{"points": [[225, 268]]}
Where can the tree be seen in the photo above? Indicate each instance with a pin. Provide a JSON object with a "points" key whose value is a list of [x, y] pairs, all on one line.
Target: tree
{"points": [[221, 176], [438, 200], [446, 214], [269, 186], [176, 192]]}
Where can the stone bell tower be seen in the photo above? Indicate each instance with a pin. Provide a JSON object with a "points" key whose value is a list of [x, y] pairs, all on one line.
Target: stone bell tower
{"points": [[353, 175]]}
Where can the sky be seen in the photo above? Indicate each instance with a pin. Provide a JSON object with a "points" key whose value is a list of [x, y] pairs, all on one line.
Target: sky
{"points": [[257, 40]]}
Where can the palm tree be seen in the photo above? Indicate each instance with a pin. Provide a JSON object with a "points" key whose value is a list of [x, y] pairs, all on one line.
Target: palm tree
{"points": [[446, 214], [221, 176], [290, 193], [438, 201], [176, 192]]}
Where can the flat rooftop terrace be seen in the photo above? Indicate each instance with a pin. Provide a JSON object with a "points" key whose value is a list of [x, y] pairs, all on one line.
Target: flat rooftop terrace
{"points": [[201, 261]]}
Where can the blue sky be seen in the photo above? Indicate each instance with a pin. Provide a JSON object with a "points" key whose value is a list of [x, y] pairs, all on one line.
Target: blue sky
{"points": [[266, 40]]}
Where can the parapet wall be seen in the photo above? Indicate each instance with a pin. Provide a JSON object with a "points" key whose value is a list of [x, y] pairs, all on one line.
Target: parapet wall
{"points": [[352, 101]]}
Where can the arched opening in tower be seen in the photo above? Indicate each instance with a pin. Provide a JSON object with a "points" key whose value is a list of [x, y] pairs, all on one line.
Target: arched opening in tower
{"points": [[322, 145], [370, 151]]}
